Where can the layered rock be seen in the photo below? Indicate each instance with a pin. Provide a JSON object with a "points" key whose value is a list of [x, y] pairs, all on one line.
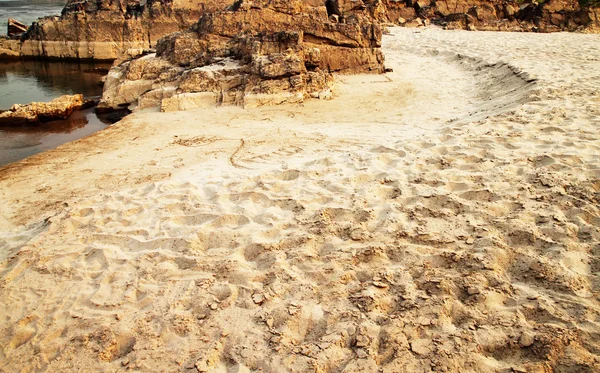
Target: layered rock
{"points": [[104, 29], [505, 15], [36, 112], [9, 48], [259, 53]]}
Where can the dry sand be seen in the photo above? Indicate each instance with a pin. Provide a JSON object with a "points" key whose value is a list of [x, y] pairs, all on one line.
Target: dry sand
{"points": [[443, 217]]}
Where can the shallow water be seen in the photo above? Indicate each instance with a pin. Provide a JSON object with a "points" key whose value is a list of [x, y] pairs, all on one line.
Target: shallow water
{"points": [[27, 11], [22, 82], [26, 81], [21, 142]]}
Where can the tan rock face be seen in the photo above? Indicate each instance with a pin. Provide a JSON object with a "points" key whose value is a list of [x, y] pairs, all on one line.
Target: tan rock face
{"points": [[35, 112], [552, 15], [104, 29], [258, 54]]}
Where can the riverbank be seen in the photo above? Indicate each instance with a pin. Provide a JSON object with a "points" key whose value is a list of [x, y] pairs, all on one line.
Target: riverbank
{"points": [[22, 82], [440, 217]]}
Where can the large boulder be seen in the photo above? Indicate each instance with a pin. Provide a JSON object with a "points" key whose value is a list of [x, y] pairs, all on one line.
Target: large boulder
{"points": [[36, 112], [258, 53]]}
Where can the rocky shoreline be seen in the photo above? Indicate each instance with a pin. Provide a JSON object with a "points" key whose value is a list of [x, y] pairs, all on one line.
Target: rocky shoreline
{"points": [[409, 225], [107, 30], [180, 55]]}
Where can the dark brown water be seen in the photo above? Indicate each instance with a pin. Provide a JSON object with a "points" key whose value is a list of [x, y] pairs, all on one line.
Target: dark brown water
{"points": [[22, 142], [26, 81]]}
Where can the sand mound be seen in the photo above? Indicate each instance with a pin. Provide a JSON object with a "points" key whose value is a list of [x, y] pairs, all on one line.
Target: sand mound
{"points": [[439, 218]]}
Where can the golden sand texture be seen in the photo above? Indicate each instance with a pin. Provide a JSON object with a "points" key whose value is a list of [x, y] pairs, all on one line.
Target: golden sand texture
{"points": [[444, 217]]}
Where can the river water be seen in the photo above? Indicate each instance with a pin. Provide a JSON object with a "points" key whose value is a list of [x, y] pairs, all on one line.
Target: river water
{"points": [[27, 11], [23, 82], [26, 81]]}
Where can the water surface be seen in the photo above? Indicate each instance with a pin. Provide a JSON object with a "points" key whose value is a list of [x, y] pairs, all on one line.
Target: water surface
{"points": [[21, 142], [26, 81], [27, 11], [22, 82]]}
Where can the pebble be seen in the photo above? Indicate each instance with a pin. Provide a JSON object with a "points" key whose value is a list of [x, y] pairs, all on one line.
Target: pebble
{"points": [[526, 339], [380, 284], [258, 298], [361, 354], [473, 290], [362, 341], [420, 346]]}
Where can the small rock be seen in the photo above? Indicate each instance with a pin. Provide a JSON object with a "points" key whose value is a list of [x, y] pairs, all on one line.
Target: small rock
{"points": [[357, 234], [245, 352], [201, 366], [35, 112], [258, 298], [471, 290], [361, 354], [526, 339], [214, 306], [420, 346], [380, 284], [362, 341]]}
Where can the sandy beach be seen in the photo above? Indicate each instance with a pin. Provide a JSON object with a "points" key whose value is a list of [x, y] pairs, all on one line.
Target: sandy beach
{"points": [[442, 217]]}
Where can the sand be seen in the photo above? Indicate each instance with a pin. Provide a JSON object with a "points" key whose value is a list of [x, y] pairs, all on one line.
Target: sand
{"points": [[443, 217]]}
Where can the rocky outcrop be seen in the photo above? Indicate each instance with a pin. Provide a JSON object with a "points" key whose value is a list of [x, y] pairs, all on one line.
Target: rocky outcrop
{"points": [[505, 15], [36, 112], [9, 49], [104, 29], [256, 54], [107, 29]]}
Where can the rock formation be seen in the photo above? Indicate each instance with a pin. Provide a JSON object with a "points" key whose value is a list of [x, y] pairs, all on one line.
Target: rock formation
{"points": [[103, 29], [36, 112], [548, 16], [258, 53], [106, 29]]}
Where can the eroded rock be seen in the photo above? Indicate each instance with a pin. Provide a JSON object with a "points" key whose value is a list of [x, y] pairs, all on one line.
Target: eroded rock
{"points": [[36, 112], [105, 29], [258, 54]]}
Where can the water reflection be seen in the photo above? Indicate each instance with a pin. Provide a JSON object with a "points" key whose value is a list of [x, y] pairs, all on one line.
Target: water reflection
{"points": [[75, 121], [22, 82], [17, 143]]}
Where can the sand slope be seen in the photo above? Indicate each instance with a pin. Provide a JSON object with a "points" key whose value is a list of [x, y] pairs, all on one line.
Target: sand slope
{"points": [[443, 217]]}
